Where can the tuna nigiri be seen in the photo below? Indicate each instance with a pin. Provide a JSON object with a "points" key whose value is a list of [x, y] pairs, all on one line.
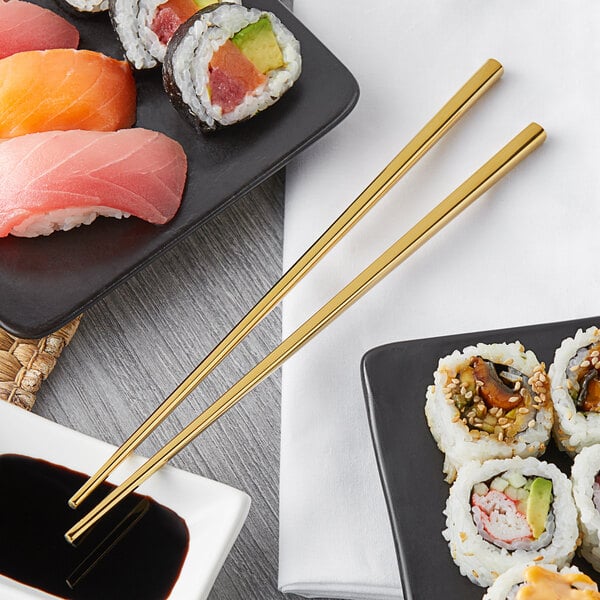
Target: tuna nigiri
{"points": [[64, 89], [62, 179], [26, 26]]}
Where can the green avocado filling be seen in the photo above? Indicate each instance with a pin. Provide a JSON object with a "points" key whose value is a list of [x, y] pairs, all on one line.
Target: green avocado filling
{"points": [[204, 3], [538, 505], [258, 44]]}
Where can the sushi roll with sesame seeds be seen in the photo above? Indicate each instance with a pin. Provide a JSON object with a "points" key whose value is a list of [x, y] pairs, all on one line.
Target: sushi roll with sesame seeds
{"points": [[585, 477], [489, 401], [575, 378], [228, 63], [145, 27], [508, 512], [543, 582]]}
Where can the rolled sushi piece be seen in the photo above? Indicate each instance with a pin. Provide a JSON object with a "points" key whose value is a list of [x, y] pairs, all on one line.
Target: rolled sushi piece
{"points": [[489, 401], [543, 582], [58, 180], [145, 27], [585, 477], [227, 63], [65, 89], [508, 512], [25, 26], [575, 378]]}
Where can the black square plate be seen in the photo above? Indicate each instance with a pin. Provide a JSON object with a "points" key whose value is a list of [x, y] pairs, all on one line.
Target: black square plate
{"points": [[46, 281], [395, 379]]}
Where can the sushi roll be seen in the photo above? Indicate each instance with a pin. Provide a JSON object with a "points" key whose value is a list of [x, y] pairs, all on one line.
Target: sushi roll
{"points": [[489, 401], [144, 27], [575, 378], [543, 582], [228, 63], [508, 512], [585, 477]]}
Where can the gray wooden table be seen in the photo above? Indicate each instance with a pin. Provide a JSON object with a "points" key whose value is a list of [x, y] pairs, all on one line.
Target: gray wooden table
{"points": [[138, 343]]}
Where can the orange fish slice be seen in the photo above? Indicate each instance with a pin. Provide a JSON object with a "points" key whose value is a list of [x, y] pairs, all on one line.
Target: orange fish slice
{"points": [[64, 89]]}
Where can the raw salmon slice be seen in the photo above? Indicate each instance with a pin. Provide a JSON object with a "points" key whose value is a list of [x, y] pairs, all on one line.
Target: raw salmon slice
{"points": [[64, 89], [231, 77], [61, 179], [26, 26]]}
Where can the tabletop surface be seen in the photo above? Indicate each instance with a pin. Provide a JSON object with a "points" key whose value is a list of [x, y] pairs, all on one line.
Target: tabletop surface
{"points": [[138, 343]]}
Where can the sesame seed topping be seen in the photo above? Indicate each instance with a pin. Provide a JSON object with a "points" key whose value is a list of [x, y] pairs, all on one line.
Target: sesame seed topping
{"points": [[542, 377], [523, 410], [469, 395], [584, 364], [595, 353], [573, 368], [514, 399], [503, 421], [501, 436], [455, 418], [531, 424], [517, 386]]}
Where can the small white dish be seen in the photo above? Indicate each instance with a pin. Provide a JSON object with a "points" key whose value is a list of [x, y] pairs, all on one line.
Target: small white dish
{"points": [[214, 513]]}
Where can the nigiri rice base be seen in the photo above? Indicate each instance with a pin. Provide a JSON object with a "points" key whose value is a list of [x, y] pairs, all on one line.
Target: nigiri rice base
{"points": [[63, 219]]}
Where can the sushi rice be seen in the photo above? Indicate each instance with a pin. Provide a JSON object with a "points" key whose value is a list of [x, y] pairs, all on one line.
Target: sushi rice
{"points": [[507, 586], [483, 560], [574, 428], [586, 490], [186, 69], [87, 6], [463, 442], [132, 21]]}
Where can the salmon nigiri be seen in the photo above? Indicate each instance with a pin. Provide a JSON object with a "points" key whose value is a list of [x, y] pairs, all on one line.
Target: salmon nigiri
{"points": [[64, 89], [26, 26], [61, 179]]}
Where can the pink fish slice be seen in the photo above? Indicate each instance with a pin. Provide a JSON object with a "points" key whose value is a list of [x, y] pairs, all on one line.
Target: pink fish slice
{"points": [[25, 26], [58, 180]]}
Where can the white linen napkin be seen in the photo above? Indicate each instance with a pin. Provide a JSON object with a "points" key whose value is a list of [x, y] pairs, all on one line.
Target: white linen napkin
{"points": [[526, 252]]}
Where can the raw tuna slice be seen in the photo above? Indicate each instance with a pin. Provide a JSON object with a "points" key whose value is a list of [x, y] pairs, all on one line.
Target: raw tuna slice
{"points": [[62, 179], [64, 89], [25, 26]]}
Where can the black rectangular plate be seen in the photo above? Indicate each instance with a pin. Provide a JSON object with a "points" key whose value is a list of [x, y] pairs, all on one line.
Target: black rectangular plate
{"points": [[47, 281], [395, 379]]}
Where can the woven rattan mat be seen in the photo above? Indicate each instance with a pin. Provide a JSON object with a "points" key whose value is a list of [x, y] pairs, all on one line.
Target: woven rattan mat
{"points": [[24, 364]]}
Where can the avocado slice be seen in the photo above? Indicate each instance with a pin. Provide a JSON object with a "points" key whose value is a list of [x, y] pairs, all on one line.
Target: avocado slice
{"points": [[538, 505], [204, 3], [258, 44]]}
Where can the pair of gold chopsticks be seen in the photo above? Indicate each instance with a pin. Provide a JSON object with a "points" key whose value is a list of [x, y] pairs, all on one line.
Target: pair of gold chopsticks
{"points": [[502, 162]]}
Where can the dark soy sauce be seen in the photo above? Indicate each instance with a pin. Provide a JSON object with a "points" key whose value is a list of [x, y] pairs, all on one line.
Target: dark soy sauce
{"points": [[34, 517]]}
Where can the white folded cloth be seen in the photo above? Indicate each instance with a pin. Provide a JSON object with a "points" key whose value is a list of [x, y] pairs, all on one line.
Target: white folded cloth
{"points": [[524, 253]]}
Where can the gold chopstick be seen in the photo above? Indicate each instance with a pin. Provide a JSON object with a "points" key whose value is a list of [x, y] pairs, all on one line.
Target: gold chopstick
{"points": [[502, 162], [468, 94]]}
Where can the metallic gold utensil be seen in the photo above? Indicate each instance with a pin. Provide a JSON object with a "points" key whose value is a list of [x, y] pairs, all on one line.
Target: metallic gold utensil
{"points": [[468, 94], [495, 168]]}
